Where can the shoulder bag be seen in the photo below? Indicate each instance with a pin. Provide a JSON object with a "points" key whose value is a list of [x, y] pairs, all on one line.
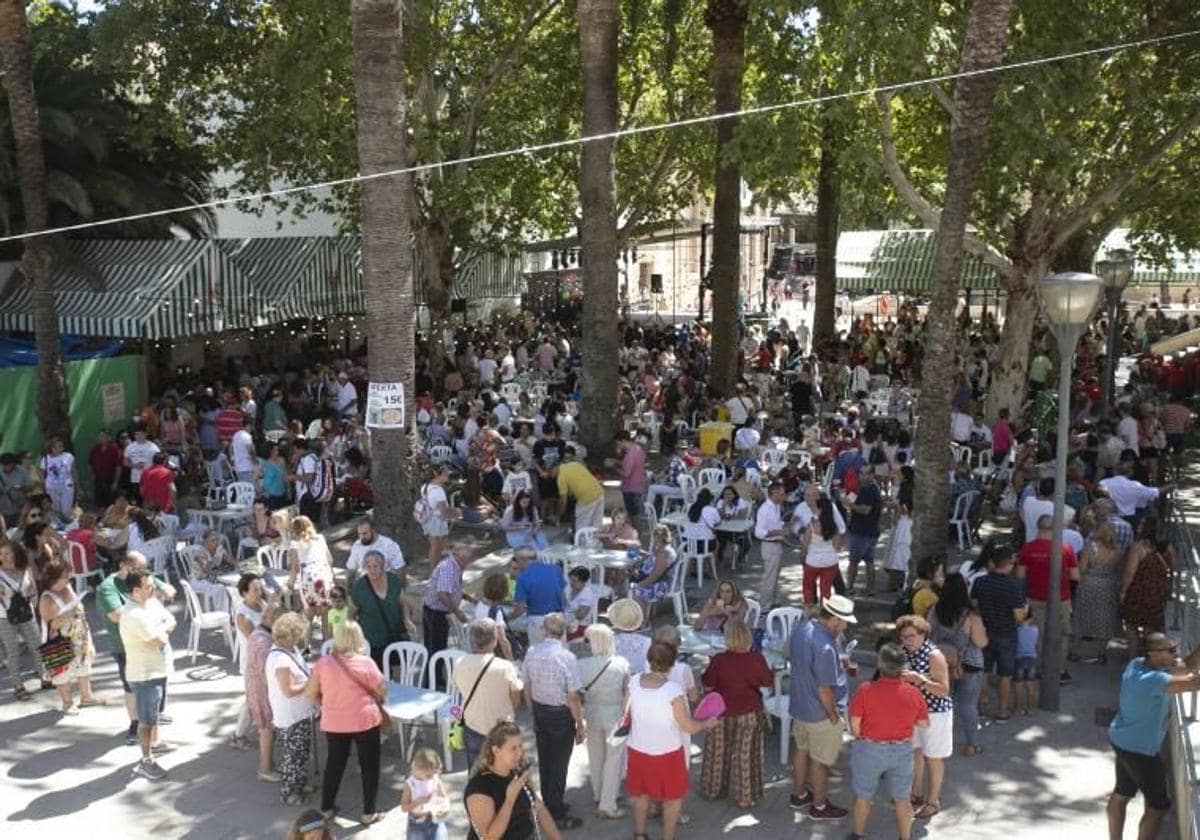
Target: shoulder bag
{"points": [[583, 691], [456, 738], [385, 721]]}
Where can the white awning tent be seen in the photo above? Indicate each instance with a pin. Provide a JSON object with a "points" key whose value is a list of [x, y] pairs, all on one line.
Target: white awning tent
{"points": [[899, 261]]}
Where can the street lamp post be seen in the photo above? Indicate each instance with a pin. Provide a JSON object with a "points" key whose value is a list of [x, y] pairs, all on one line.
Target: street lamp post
{"points": [[1068, 301], [1115, 270]]}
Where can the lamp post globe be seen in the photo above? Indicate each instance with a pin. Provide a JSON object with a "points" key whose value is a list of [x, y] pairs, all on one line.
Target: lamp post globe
{"points": [[1068, 301], [1115, 270]]}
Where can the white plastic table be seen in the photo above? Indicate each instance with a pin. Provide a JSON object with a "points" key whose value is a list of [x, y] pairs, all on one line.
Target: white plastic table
{"points": [[408, 704]]}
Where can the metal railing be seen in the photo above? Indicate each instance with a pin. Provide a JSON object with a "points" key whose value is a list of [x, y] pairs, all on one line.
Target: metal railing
{"points": [[1184, 624]]}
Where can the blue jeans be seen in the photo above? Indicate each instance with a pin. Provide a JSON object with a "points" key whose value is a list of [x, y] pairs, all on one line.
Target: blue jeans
{"points": [[474, 745], [633, 504], [427, 830], [966, 704], [871, 761]]}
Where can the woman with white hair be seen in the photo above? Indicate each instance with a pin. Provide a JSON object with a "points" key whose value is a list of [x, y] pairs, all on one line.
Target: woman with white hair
{"points": [[604, 677]]}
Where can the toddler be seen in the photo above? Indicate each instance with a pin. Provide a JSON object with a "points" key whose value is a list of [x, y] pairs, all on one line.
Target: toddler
{"points": [[423, 797], [1025, 679]]}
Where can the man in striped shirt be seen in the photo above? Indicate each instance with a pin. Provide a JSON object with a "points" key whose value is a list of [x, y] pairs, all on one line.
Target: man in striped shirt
{"points": [[443, 594]]}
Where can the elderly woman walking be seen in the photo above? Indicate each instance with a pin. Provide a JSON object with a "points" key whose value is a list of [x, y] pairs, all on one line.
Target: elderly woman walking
{"points": [[604, 677], [733, 752], [258, 704]]}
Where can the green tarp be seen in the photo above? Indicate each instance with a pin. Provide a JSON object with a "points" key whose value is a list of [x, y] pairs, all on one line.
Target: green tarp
{"points": [[104, 394], [899, 261]]}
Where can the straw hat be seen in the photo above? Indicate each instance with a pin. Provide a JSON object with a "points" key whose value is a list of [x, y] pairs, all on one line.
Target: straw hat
{"points": [[839, 606], [625, 614]]}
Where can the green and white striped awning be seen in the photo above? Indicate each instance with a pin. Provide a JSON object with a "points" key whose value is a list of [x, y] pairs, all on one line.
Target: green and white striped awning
{"points": [[184, 287], [899, 261], [151, 289]]}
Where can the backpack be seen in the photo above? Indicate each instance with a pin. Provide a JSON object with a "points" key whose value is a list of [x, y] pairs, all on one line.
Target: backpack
{"points": [[421, 508], [19, 609]]}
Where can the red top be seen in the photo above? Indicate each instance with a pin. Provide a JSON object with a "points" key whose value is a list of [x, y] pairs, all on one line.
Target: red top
{"points": [[229, 420], [1035, 557], [155, 485], [738, 677], [889, 709], [105, 460]]}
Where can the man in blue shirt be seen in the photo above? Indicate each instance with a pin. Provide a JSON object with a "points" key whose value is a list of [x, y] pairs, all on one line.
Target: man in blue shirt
{"points": [[863, 529], [1138, 730], [539, 592], [817, 704]]}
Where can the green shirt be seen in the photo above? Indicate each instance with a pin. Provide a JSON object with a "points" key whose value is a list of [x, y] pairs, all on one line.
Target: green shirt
{"points": [[381, 620], [274, 417], [1039, 369]]}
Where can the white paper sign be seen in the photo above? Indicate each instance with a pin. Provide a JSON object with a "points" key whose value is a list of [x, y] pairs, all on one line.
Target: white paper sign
{"points": [[385, 405], [112, 398]]}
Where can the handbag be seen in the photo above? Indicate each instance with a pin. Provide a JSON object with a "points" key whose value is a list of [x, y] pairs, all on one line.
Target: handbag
{"points": [[456, 738], [385, 721], [56, 654]]}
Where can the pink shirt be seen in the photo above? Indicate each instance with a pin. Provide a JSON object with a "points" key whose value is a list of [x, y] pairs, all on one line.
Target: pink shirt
{"points": [[1001, 436], [346, 706], [633, 470]]}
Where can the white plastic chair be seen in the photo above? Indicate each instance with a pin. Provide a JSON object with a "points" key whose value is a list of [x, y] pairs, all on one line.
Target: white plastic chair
{"points": [[599, 590], [753, 613], [650, 516], [275, 435], [711, 475], [412, 656], [694, 555], [199, 620], [775, 459], [961, 518], [755, 478], [272, 557], [157, 551], [689, 487], [775, 704], [803, 459], [586, 538], [780, 622], [240, 494], [79, 570], [676, 593], [441, 454], [444, 662], [511, 391], [327, 648]]}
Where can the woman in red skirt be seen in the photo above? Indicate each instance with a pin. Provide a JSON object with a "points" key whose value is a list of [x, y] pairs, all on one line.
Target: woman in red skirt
{"points": [[659, 716]]}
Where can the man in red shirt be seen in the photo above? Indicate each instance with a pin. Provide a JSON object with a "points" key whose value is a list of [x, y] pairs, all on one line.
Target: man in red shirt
{"points": [[1033, 566], [229, 420], [882, 715], [105, 460], [157, 484]]}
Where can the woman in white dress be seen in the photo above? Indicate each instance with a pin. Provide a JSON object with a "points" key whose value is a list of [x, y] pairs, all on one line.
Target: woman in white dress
{"points": [[900, 547], [58, 471], [310, 571]]}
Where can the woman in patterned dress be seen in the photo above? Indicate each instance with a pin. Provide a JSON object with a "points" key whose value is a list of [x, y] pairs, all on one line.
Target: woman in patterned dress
{"points": [[310, 570], [733, 752], [62, 614], [1097, 600], [258, 706], [1146, 584], [652, 580], [932, 745]]}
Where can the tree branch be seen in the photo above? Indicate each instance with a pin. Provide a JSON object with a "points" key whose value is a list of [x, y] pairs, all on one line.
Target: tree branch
{"points": [[929, 215], [1078, 216], [665, 158], [504, 63]]}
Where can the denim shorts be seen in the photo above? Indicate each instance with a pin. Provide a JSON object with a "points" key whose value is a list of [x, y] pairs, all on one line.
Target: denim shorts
{"points": [[1001, 655], [871, 761], [147, 697], [1026, 669], [862, 548]]}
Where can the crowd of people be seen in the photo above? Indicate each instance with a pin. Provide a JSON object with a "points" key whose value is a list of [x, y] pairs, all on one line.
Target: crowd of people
{"points": [[818, 459]]}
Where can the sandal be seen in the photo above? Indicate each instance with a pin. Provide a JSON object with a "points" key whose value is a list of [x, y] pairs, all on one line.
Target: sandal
{"points": [[292, 799], [93, 701], [371, 819], [239, 743], [973, 749], [21, 693], [916, 801], [926, 811], [70, 709], [269, 776]]}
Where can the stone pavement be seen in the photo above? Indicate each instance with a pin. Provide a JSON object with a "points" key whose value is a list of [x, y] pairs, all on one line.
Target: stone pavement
{"points": [[1045, 776]]}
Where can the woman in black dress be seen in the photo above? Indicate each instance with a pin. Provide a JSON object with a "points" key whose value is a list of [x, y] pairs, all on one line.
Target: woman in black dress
{"points": [[500, 803]]}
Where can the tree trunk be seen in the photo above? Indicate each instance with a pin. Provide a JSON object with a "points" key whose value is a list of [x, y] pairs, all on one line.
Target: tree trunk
{"points": [[983, 47], [436, 247], [598, 23], [1011, 364], [727, 20], [829, 192], [36, 262], [386, 252]]}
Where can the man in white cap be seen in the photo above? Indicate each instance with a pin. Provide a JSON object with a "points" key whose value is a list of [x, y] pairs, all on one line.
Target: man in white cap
{"points": [[818, 705]]}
